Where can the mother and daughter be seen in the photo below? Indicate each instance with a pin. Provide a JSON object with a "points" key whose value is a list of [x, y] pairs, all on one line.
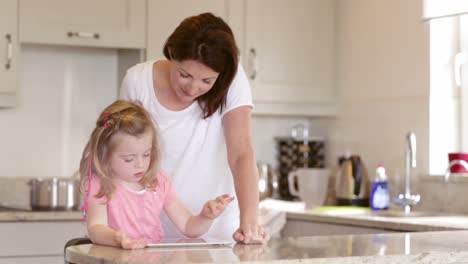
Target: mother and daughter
{"points": [[177, 142]]}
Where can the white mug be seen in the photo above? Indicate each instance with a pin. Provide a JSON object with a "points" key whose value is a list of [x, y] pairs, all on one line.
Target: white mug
{"points": [[312, 185]]}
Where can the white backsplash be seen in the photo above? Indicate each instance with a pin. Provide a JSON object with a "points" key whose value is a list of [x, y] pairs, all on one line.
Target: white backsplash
{"points": [[61, 92]]}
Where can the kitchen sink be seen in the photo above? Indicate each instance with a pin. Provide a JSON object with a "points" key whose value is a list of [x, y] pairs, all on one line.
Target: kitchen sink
{"points": [[395, 213], [365, 211], [342, 210]]}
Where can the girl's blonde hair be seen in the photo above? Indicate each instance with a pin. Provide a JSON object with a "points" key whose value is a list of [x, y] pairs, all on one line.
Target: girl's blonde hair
{"points": [[119, 117]]}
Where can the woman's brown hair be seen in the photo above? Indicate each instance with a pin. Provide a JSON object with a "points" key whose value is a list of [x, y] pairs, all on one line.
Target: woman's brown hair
{"points": [[119, 117], [206, 38]]}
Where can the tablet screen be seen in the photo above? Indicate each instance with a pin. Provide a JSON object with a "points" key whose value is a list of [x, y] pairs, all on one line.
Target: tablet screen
{"points": [[191, 242]]}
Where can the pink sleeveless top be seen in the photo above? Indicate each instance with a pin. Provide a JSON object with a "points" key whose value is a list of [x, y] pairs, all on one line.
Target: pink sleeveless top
{"points": [[136, 212]]}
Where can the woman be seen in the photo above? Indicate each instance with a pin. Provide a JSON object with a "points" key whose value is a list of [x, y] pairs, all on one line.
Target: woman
{"points": [[200, 100]]}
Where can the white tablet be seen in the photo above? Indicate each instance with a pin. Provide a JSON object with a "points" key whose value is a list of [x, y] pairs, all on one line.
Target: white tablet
{"points": [[191, 242]]}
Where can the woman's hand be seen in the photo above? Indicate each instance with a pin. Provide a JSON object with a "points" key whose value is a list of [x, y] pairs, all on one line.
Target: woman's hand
{"points": [[250, 252], [251, 234], [213, 208], [127, 243]]}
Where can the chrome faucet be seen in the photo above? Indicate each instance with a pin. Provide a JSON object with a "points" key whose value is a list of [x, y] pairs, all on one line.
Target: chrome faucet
{"points": [[407, 200]]}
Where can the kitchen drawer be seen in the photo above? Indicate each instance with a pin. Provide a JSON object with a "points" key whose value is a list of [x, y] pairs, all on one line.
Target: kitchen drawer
{"points": [[30, 239], [35, 260]]}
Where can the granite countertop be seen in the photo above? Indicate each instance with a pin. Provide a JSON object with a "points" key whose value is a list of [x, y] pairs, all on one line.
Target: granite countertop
{"points": [[420, 247], [360, 217], [435, 222], [15, 203], [426, 222], [19, 215]]}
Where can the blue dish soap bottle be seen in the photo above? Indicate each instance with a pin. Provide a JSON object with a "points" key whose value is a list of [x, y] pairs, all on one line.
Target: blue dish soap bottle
{"points": [[380, 195]]}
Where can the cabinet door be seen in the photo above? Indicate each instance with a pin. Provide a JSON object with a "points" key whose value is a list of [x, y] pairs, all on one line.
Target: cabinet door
{"points": [[35, 260], [165, 16], [39, 239], [100, 23], [8, 52], [290, 50]]}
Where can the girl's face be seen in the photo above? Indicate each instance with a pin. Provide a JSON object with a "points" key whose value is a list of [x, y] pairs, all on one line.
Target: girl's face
{"points": [[190, 79], [131, 157]]}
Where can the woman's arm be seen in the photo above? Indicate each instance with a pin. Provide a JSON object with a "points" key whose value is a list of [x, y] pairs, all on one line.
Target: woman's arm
{"points": [[100, 233], [237, 126], [196, 225]]}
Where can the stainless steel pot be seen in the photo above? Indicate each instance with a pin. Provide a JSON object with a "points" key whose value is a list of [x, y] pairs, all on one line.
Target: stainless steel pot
{"points": [[55, 194]]}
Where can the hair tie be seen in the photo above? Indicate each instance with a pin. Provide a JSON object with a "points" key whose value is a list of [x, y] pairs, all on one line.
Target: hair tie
{"points": [[105, 116]]}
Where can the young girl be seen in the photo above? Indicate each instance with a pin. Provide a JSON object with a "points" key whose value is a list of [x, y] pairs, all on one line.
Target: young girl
{"points": [[125, 190]]}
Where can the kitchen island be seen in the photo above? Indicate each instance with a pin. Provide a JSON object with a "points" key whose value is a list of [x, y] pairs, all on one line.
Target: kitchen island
{"points": [[422, 247]]}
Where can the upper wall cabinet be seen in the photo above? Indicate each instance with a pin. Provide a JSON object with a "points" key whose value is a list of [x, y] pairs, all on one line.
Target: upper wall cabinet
{"points": [[289, 56], [164, 16], [97, 23], [9, 50]]}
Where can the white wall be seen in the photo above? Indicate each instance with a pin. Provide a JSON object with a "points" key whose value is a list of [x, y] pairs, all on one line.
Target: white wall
{"points": [[62, 90], [383, 81]]}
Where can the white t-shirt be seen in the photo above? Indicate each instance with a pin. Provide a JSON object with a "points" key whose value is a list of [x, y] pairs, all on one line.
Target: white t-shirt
{"points": [[193, 149]]}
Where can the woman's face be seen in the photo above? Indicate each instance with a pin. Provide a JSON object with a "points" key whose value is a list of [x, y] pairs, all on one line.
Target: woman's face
{"points": [[190, 79]]}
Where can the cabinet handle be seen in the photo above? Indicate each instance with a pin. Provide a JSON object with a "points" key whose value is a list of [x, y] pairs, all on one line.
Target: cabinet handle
{"points": [[458, 62], [77, 34], [253, 64], [9, 51]]}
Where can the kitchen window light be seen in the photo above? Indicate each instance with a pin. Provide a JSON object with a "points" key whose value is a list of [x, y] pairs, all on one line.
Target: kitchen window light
{"points": [[461, 70], [448, 90], [438, 9]]}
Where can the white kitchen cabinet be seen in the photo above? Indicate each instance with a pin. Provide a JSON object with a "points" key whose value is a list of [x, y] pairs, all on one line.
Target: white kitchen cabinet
{"points": [[165, 16], [9, 52], [42, 242], [35, 260], [290, 56], [101, 23], [310, 228], [287, 48]]}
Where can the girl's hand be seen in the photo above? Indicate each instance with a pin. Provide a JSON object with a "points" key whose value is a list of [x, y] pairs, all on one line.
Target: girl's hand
{"points": [[127, 243], [251, 234], [213, 208]]}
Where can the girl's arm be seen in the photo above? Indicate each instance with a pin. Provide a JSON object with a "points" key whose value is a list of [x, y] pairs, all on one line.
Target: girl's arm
{"points": [[196, 225], [237, 127], [100, 233]]}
